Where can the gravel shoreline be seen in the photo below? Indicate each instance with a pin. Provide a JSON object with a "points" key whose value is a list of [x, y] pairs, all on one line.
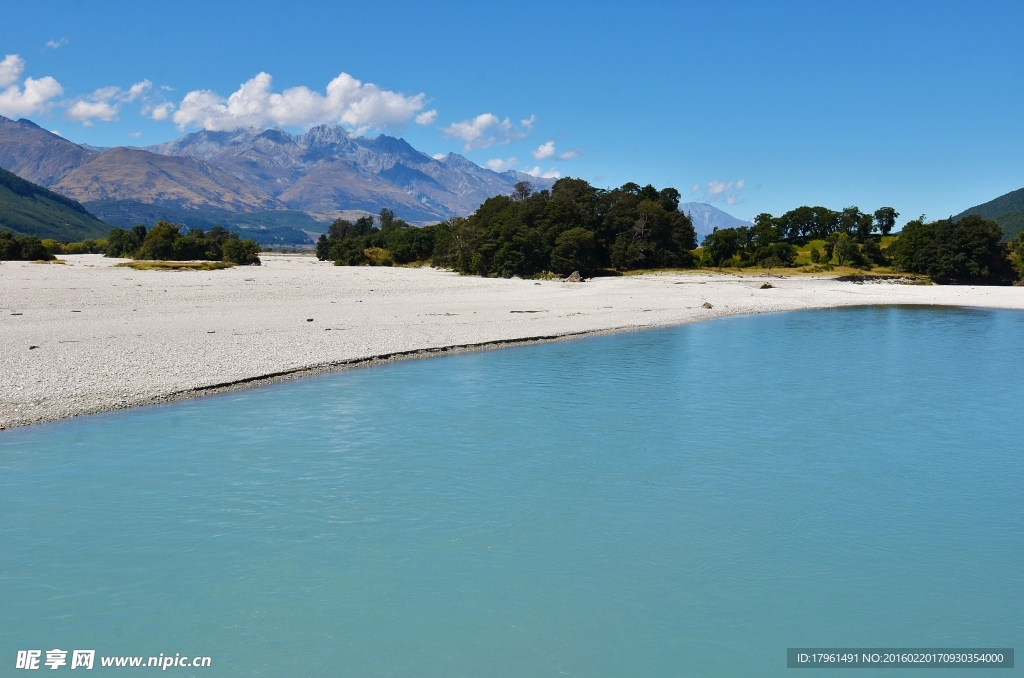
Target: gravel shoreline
{"points": [[86, 336]]}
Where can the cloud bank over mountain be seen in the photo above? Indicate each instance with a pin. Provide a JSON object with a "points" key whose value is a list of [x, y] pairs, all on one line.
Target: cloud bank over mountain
{"points": [[361, 109], [348, 102]]}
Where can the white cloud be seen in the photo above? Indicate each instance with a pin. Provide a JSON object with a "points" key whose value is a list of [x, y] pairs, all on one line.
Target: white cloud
{"points": [[37, 95], [726, 191], [85, 111], [105, 103], [550, 174], [473, 131], [545, 150], [56, 131], [347, 102], [54, 44], [439, 156], [487, 129], [158, 111], [138, 89], [134, 135], [33, 96], [10, 69], [427, 117], [499, 165], [571, 154]]}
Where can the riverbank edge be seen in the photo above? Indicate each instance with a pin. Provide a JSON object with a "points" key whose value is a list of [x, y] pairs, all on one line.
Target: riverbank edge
{"points": [[320, 369]]}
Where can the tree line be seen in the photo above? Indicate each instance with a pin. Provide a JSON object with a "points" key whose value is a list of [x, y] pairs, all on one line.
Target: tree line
{"points": [[577, 227], [165, 241], [571, 227], [851, 238]]}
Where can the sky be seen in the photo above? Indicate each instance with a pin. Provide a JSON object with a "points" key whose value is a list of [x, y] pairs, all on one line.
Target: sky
{"points": [[751, 106]]}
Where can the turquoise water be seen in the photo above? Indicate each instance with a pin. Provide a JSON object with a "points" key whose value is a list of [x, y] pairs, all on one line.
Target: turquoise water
{"points": [[680, 502]]}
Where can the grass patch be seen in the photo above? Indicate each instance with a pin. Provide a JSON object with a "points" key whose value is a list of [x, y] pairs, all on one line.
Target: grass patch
{"points": [[378, 256], [177, 265]]}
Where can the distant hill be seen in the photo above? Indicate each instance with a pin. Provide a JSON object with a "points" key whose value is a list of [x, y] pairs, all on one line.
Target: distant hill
{"points": [[37, 155], [707, 218], [1006, 210], [140, 176], [30, 209], [281, 185]]}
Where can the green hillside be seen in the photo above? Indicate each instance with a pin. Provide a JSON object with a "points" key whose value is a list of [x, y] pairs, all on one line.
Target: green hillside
{"points": [[28, 209], [1006, 210]]}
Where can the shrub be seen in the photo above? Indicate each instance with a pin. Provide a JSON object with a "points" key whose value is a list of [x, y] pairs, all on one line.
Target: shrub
{"points": [[86, 247], [348, 252], [190, 247], [10, 247], [32, 249], [873, 252], [52, 246], [721, 244], [777, 254], [378, 256], [241, 252], [1017, 256]]}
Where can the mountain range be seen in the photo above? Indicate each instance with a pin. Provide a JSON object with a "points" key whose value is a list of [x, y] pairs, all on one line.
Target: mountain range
{"points": [[276, 187]]}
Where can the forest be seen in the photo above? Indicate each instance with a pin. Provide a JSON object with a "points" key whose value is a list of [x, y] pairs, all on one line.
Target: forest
{"points": [[577, 227]]}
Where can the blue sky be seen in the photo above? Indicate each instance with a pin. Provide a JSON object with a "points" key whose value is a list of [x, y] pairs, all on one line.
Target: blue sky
{"points": [[752, 106]]}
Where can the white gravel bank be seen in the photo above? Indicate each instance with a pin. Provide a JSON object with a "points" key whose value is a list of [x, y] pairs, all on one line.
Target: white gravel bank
{"points": [[108, 338]]}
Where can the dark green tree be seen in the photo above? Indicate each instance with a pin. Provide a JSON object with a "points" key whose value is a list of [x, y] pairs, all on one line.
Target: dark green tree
{"points": [[885, 219], [241, 252], [159, 242], [22, 247], [722, 244], [575, 250], [521, 191], [953, 252], [125, 243], [387, 220]]}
